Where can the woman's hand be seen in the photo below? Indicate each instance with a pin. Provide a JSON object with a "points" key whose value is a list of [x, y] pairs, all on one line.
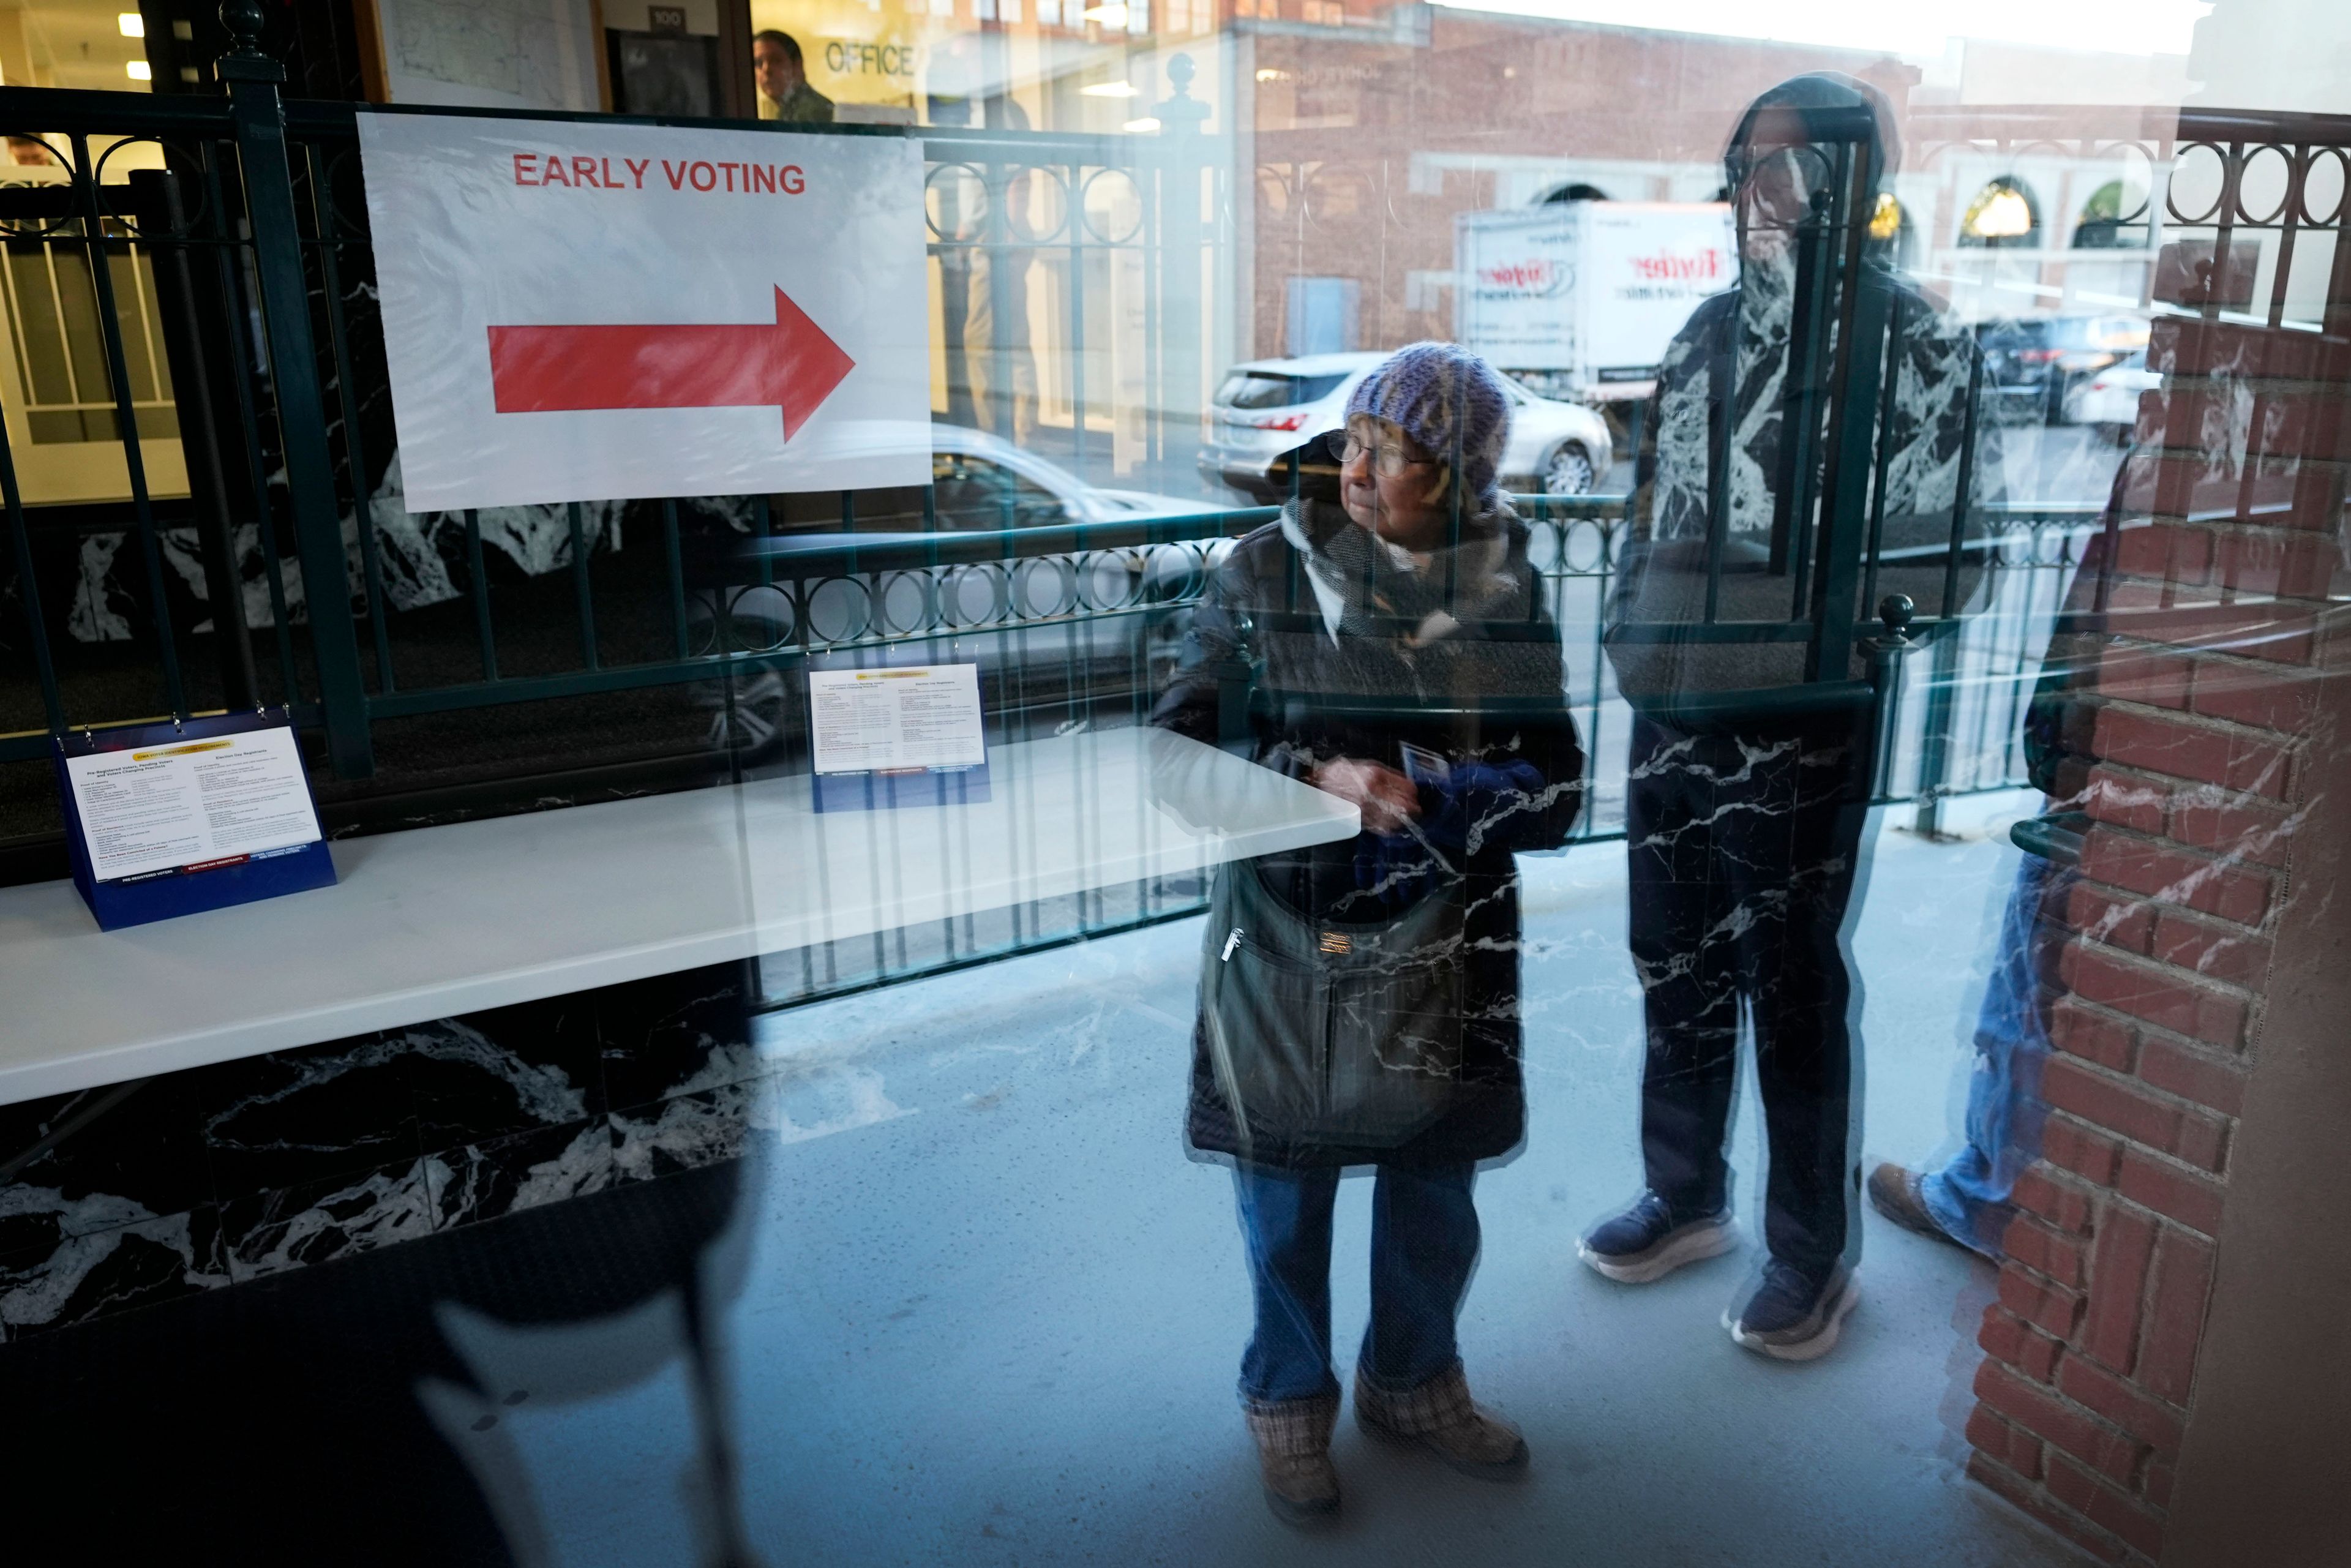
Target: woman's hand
{"points": [[1385, 796]]}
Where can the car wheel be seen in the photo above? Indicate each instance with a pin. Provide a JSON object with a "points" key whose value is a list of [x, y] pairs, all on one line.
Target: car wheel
{"points": [[1568, 471]]}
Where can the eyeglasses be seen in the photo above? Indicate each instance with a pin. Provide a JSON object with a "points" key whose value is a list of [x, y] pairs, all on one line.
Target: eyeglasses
{"points": [[1388, 458]]}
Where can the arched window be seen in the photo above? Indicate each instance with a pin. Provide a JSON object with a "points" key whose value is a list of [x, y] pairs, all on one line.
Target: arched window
{"points": [[1889, 229], [1578, 191], [2004, 214], [2114, 218]]}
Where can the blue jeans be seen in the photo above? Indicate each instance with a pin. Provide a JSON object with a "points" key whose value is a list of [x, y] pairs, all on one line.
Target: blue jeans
{"points": [[1969, 1196], [1423, 1245]]}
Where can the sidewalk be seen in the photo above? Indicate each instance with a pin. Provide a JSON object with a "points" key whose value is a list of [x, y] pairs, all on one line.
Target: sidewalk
{"points": [[993, 1314]]}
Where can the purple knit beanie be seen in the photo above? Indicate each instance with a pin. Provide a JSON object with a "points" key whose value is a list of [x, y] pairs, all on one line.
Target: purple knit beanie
{"points": [[1431, 391]]}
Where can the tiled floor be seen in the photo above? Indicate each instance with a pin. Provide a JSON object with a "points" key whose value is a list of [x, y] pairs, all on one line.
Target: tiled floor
{"points": [[966, 1301]]}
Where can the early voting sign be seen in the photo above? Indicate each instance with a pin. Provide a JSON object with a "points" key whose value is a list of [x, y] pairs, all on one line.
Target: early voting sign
{"points": [[577, 311]]}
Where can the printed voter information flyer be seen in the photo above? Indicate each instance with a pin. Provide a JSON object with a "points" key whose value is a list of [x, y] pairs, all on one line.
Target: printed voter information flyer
{"points": [[166, 818], [905, 736], [192, 804]]}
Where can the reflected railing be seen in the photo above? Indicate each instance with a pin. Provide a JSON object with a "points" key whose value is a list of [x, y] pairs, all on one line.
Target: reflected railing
{"points": [[292, 481]]}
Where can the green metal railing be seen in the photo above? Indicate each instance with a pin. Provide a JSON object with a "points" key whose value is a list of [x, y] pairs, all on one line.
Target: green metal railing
{"points": [[256, 233], [260, 208]]}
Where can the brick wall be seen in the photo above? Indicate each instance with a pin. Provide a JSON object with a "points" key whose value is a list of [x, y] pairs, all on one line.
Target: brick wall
{"points": [[2196, 718]]}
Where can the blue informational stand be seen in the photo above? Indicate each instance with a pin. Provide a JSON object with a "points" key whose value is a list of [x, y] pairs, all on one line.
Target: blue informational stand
{"points": [[891, 789], [213, 881], [962, 782]]}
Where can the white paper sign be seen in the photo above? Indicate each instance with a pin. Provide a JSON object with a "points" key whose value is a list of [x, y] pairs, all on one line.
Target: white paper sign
{"points": [[577, 311], [881, 720], [190, 803]]}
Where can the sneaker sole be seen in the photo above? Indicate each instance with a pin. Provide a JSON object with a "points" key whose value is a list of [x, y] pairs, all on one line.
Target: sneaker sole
{"points": [[1694, 1246], [1812, 1349]]}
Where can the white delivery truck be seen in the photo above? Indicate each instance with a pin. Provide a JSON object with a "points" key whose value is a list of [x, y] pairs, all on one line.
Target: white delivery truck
{"points": [[1577, 300]]}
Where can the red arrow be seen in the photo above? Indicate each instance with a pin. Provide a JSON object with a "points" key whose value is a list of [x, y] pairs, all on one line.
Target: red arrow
{"points": [[792, 365]]}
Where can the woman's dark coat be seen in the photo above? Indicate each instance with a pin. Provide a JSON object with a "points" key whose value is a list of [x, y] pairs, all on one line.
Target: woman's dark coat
{"points": [[1482, 688]]}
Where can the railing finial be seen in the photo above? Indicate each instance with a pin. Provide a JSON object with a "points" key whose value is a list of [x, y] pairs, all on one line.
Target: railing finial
{"points": [[1181, 114], [1894, 612], [244, 19], [245, 60]]}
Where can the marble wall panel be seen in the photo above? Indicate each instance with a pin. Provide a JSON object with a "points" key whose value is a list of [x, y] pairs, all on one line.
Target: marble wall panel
{"points": [[510, 1070], [678, 1034], [336, 1217], [686, 1131], [298, 1118], [489, 1178], [78, 1277], [201, 1179]]}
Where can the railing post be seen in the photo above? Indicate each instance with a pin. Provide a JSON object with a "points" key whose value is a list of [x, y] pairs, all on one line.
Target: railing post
{"points": [[1935, 739], [1886, 652], [258, 116], [164, 233]]}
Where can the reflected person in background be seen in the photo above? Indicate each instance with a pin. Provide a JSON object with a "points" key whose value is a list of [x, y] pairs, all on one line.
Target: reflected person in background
{"points": [[1968, 1198], [1359, 1001], [782, 77], [1748, 785], [984, 278]]}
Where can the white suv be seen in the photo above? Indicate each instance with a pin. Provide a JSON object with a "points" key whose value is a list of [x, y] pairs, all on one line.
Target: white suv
{"points": [[1268, 407]]}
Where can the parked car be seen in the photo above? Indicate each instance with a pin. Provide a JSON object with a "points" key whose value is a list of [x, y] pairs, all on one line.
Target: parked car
{"points": [[2031, 363], [2110, 398], [980, 483], [1267, 408]]}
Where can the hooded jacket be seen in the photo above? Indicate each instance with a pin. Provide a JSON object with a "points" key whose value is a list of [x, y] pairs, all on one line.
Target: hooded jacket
{"points": [[1719, 422]]}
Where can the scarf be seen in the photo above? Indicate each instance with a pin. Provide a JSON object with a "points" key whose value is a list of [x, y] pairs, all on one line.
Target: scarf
{"points": [[1364, 585]]}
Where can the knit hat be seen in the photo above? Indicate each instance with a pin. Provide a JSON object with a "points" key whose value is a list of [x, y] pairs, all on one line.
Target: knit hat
{"points": [[1432, 391]]}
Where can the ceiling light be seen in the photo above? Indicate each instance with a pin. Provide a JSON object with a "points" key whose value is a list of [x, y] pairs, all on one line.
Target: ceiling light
{"points": [[1111, 15], [1109, 89], [1143, 127], [132, 23], [138, 71]]}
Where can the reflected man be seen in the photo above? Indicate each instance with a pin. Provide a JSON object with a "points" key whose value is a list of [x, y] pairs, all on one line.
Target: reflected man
{"points": [[1748, 781], [782, 79]]}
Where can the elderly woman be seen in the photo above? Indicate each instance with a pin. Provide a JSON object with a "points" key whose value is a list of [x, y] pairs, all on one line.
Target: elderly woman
{"points": [[1359, 1001]]}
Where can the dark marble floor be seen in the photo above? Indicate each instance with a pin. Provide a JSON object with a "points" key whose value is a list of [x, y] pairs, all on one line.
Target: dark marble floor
{"points": [[299, 1420]]}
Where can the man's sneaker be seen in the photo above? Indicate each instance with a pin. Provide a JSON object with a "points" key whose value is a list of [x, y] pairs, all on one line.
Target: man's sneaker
{"points": [[1792, 1316], [1649, 1240], [1894, 1192]]}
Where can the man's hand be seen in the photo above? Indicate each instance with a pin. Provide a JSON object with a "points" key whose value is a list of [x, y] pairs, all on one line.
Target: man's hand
{"points": [[1386, 798]]}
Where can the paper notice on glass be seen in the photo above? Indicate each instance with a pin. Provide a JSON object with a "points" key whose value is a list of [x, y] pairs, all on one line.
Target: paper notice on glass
{"points": [[192, 804], [901, 737]]}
